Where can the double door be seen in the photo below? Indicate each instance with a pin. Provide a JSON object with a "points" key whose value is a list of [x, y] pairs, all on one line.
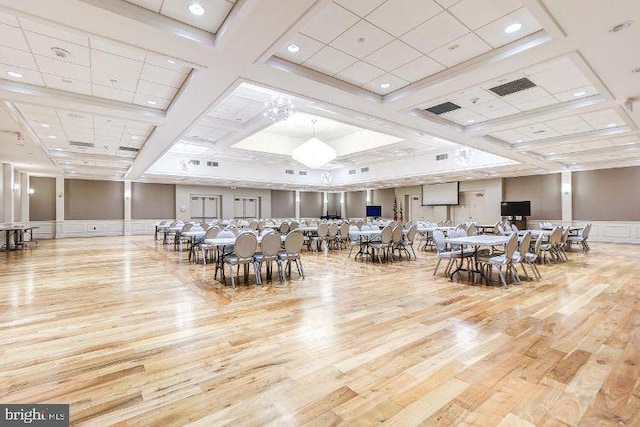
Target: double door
{"points": [[204, 208], [246, 207]]}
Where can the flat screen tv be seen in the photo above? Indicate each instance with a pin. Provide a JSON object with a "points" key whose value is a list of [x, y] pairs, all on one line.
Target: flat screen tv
{"points": [[446, 194], [511, 209], [374, 211]]}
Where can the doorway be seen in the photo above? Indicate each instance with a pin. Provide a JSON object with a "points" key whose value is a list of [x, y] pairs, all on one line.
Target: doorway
{"points": [[246, 207], [204, 208]]}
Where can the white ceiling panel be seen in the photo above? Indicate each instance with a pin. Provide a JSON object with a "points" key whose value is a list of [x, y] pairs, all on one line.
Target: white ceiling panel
{"points": [[395, 81], [153, 5], [494, 33], [466, 47], [399, 16], [112, 93], [43, 45], [107, 67], [360, 73], [28, 76], [329, 23], [330, 61], [360, 7], [63, 69], [215, 13], [155, 89], [162, 76], [478, 13], [8, 19], [361, 40], [55, 32], [61, 83], [13, 37], [118, 49], [151, 101], [307, 48], [393, 55], [437, 31], [17, 58], [418, 69]]}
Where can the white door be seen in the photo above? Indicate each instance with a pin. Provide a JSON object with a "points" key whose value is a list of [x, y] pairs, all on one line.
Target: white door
{"points": [[251, 208], [238, 208], [195, 208], [414, 207]]}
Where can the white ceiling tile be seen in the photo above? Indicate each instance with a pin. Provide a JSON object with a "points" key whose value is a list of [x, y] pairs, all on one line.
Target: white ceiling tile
{"points": [[399, 16], [466, 47], [393, 55], [28, 76], [603, 119], [215, 13], [153, 5], [112, 93], [360, 73], [531, 104], [172, 64], [162, 76], [525, 95], [13, 38], [308, 47], [471, 97], [107, 67], [63, 69], [494, 109], [330, 61], [361, 39], [55, 32], [418, 69], [111, 122], [538, 131], [569, 95], [42, 46], [8, 19], [447, 3], [560, 79], [117, 49], [477, 13], [436, 32], [155, 89], [17, 58], [360, 7], [160, 103], [494, 34], [61, 83], [396, 83], [329, 23]]}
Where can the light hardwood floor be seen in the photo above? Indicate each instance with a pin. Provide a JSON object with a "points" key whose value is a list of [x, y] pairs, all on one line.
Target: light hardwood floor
{"points": [[127, 332]]}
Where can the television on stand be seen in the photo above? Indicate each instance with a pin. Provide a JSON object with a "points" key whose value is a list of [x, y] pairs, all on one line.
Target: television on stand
{"points": [[374, 211], [517, 212]]}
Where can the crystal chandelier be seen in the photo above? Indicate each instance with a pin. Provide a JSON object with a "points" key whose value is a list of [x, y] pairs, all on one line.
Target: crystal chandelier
{"points": [[314, 153], [278, 109]]}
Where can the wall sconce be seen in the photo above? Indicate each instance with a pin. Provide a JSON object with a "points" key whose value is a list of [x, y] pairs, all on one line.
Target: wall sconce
{"points": [[127, 195], [16, 187], [31, 191], [566, 189]]}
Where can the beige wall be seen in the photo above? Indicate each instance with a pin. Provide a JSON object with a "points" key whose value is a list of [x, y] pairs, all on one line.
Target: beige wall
{"points": [[89, 200], [544, 192], [283, 204], [606, 195], [384, 198], [355, 203], [42, 203], [153, 201], [311, 204], [184, 192], [333, 204]]}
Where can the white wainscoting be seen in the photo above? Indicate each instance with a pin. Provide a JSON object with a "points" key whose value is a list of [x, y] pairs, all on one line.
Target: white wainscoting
{"points": [[605, 231], [45, 230], [73, 228], [143, 226]]}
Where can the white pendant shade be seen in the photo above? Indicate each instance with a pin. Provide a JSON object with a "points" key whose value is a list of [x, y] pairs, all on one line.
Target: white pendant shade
{"points": [[314, 153]]}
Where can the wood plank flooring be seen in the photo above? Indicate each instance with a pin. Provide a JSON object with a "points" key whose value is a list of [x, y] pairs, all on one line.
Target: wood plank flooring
{"points": [[128, 332]]}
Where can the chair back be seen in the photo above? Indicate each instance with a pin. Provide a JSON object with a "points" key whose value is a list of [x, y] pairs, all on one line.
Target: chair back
{"points": [[293, 242], [564, 235], [585, 231], [511, 246], [333, 230], [471, 230], [246, 245], [186, 227], [284, 228], [344, 229], [266, 231], [536, 247], [411, 234], [226, 234], [293, 225], [386, 235], [254, 225], [525, 243], [438, 238], [233, 229], [396, 234], [500, 229], [270, 244], [514, 228], [212, 233], [323, 229], [555, 236]]}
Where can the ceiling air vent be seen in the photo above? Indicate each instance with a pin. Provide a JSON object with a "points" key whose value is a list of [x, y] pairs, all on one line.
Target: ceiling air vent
{"points": [[212, 164], [443, 108], [513, 87], [440, 157], [194, 162], [288, 171], [302, 172], [364, 169], [352, 172], [123, 148], [82, 144]]}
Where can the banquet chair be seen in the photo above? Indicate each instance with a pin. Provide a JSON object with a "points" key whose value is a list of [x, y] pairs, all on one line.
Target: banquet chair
{"points": [[292, 246], [581, 238], [396, 241], [442, 253], [343, 235], [205, 248], [320, 236], [562, 244], [550, 246], [244, 249], [270, 246], [530, 257], [407, 242], [353, 240], [384, 244], [506, 260], [332, 236]]}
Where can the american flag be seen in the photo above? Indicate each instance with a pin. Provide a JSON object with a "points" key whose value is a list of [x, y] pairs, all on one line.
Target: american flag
{"points": [[395, 209]]}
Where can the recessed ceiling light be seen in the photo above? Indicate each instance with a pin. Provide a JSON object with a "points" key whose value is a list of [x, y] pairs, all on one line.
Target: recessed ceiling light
{"points": [[45, 125], [471, 121], [171, 61], [15, 74], [580, 93], [196, 9], [611, 125], [519, 140], [134, 137], [150, 102], [513, 28], [385, 85], [621, 26], [293, 48], [52, 137]]}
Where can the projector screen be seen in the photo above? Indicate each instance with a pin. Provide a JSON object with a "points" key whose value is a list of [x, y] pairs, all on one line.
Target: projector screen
{"points": [[441, 194]]}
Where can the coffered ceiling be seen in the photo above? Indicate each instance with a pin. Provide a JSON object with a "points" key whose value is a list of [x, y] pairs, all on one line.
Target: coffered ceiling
{"points": [[405, 91]]}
